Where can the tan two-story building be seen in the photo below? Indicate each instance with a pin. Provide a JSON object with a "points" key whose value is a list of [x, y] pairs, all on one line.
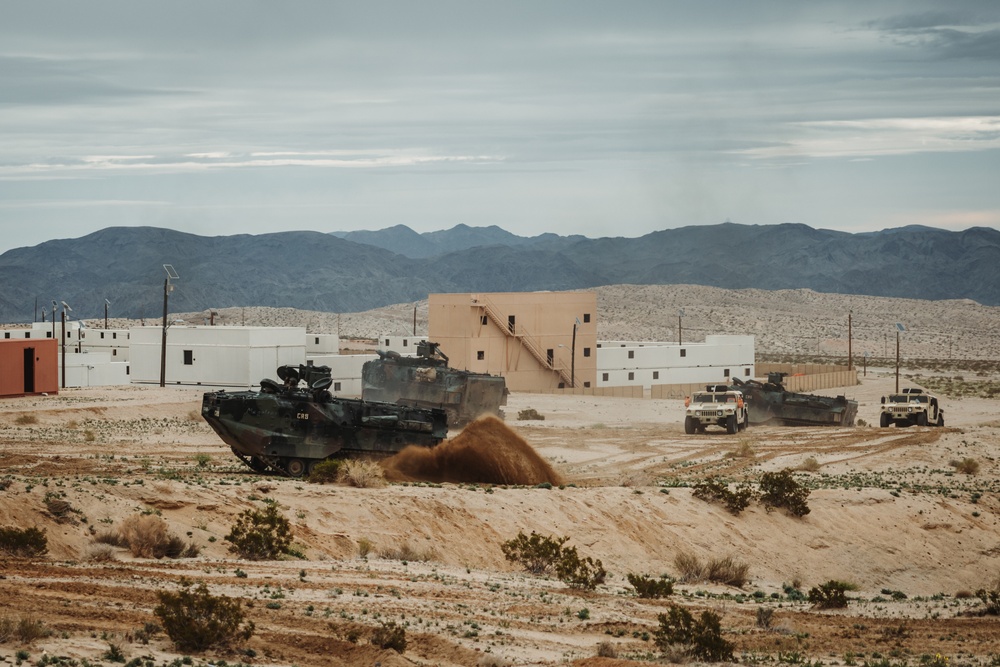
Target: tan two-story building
{"points": [[536, 340]]}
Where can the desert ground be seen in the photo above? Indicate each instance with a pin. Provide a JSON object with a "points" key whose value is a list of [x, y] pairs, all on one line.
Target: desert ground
{"points": [[893, 512]]}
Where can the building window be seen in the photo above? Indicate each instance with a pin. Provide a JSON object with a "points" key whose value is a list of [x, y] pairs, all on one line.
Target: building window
{"points": [[656, 375], [27, 334], [387, 342], [480, 355], [725, 373], [586, 317], [405, 342], [631, 354], [316, 339], [746, 372], [604, 377], [114, 335], [562, 385], [6, 334], [482, 319], [48, 334], [684, 352], [510, 323], [586, 351], [336, 386], [549, 355], [586, 385], [631, 376], [188, 357], [127, 369], [114, 352], [68, 334], [102, 335]]}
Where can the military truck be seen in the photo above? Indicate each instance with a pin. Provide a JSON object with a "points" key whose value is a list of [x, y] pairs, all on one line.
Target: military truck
{"points": [[912, 407], [718, 405], [426, 381]]}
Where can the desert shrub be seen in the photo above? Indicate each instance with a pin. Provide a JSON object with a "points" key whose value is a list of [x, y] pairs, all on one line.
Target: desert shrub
{"points": [[361, 473], [831, 595], [406, 552], [57, 507], [966, 466], [744, 450], [26, 542], [647, 587], [325, 472], [5, 483], [25, 629], [390, 635], [528, 414], [779, 489], [578, 572], [809, 465], [861, 422], [25, 420], [110, 537], [146, 536], [702, 637], [689, 566], [727, 570], [365, 547], [991, 597], [606, 650], [536, 553], [260, 535], [713, 490], [202, 460], [764, 616], [196, 620], [114, 653], [100, 553]]}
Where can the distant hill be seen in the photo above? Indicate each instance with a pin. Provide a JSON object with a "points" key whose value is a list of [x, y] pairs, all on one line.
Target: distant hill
{"points": [[338, 273]]}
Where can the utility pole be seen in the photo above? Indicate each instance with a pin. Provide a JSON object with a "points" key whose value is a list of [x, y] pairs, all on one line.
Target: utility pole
{"points": [[680, 314], [572, 359], [167, 288], [850, 357], [63, 347]]}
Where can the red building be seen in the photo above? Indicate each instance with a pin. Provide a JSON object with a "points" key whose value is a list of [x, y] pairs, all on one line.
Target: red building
{"points": [[28, 366]]}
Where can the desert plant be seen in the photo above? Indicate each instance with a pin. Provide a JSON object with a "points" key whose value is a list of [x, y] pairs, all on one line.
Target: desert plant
{"points": [[649, 588], [100, 553], [779, 489], [529, 414], [146, 536], [365, 547], [361, 473], [689, 566], [830, 595], [764, 616], [202, 460], [714, 490], [991, 597], [390, 635], [966, 466], [809, 465], [25, 420], [196, 620], [727, 570], [702, 637], [578, 572], [406, 552], [260, 535], [25, 629], [57, 507], [744, 450], [26, 542], [325, 472], [606, 650], [536, 553]]}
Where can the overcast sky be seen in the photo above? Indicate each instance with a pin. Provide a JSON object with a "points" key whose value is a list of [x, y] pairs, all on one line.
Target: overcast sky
{"points": [[595, 118]]}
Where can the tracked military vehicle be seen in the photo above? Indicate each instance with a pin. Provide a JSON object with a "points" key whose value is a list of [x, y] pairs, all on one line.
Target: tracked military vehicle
{"points": [[288, 429], [426, 381], [913, 407], [771, 402]]}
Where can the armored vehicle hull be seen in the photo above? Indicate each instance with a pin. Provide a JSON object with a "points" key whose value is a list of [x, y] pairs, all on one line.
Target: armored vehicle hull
{"points": [[771, 402], [288, 430], [426, 381]]}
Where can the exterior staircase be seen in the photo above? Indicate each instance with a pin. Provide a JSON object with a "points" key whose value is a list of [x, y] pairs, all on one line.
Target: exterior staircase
{"points": [[523, 337]]}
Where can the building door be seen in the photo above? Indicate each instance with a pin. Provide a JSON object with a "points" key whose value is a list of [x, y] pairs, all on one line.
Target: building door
{"points": [[29, 370], [510, 323]]}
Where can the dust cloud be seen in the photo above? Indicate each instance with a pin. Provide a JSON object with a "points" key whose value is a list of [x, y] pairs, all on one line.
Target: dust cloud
{"points": [[485, 452]]}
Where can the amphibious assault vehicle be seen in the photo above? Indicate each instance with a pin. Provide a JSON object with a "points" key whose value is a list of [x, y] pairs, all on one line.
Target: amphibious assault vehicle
{"points": [[718, 405], [288, 430], [771, 402], [426, 381]]}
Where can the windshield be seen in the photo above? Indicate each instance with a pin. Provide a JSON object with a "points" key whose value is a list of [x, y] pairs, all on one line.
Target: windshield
{"points": [[908, 398], [713, 398]]}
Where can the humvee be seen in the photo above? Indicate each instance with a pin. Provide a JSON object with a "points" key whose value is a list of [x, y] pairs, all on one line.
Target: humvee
{"points": [[911, 407], [718, 405]]}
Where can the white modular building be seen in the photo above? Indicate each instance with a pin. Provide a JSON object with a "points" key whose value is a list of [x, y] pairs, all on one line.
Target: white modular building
{"points": [[345, 371], [325, 344], [405, 345], [215, 356], [639, 363]]}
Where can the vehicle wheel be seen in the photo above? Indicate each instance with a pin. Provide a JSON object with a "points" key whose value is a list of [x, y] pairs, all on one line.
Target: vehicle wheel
{"points": [[746, 423], [883, 420], [295, 467], [701, 428], [940, 419], [256, 464], [689, 426], [312, 465], [922, 419], [731, 424]]}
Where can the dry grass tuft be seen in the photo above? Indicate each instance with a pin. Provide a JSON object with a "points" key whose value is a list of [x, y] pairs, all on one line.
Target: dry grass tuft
{"points": [[809, 465], [726, 570], [406, 552], [100, 553], [25, 629], [689, 567], [361, 473], [744, 450], [966, 466], [25, 420]]}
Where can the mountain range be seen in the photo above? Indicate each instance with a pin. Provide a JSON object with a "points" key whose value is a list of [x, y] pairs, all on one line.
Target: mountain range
{"points": [[360, 270]]}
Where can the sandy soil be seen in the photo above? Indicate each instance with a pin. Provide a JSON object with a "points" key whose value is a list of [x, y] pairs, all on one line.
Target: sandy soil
{"points": [[888, 513]]}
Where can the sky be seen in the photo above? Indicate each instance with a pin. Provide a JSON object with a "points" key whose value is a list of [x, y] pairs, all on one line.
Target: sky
{"points": [[573, 117]]}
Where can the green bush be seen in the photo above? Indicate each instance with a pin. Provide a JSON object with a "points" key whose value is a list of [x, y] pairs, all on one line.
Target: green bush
{"points": [[27, 542], [713, 490], [196, 620], [260, 535], [649, 588], [990, 598], [831, 595], [702, 637], [539, 554], [325, 472], [390, 635], [536, 553], [779, 489]]}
